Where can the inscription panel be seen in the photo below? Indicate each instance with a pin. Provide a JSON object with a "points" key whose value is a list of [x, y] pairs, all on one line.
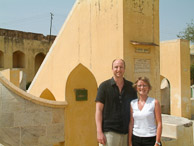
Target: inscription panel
{"points": [[142, 65], [142, 50]]}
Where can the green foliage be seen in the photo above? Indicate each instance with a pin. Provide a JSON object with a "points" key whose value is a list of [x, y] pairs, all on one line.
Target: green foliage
{"points": [[188, 33], [28, 85], [192, 73]]}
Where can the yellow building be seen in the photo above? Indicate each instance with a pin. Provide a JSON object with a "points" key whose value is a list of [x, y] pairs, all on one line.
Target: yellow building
{"points": [[175, 68], [23, 50], [95, 33]]}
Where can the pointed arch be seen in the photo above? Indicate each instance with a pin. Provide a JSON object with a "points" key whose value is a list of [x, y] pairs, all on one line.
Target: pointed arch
{"points": [[79, 115], [47, 94], [18, 59], [38, 61], [165, 95], [1, 59]]}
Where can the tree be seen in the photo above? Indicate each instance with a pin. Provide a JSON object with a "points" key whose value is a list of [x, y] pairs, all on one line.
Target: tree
{"points": [[192, 74], [188, 33]]}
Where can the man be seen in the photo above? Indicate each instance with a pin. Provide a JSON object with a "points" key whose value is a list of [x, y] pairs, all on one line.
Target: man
{"points": [[113, 107]]}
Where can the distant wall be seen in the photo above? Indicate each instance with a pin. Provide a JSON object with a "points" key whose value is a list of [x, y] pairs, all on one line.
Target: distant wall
{"points": [[26, 35], [23, 50]]}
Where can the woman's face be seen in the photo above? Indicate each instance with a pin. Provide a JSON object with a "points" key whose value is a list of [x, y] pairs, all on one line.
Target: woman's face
{"points": [[142, 88]]}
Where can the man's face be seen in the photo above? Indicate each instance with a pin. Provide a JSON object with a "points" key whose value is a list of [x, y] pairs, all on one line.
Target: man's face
{"points": [[118, 68]]}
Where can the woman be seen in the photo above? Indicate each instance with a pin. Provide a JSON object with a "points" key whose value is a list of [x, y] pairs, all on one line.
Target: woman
{"points": [[145, 125]]}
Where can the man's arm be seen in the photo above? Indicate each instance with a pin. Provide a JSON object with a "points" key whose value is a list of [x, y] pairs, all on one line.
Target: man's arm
{"points": [[100, 136]]}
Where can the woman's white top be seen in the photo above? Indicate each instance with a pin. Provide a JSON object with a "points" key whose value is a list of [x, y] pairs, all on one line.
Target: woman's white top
{"points": [[144, 120]]}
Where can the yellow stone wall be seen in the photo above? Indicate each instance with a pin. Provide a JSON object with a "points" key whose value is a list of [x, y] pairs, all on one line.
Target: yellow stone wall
{"points": [[141, 41], [175, 66], [94, 34], [80, 127]]}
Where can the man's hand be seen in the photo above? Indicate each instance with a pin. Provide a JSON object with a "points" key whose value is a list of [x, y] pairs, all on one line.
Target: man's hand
{"points": [[101, 138]]}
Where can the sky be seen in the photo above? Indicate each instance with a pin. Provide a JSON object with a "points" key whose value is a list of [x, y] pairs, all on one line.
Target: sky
{"points": [[35, 16]]}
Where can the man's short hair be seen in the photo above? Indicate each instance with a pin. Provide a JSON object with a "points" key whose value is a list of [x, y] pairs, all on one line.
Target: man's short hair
{"points": [[118, 59]]}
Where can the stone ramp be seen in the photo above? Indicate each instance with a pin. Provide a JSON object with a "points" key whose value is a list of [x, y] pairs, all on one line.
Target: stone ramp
{"points": [[26, 120]]}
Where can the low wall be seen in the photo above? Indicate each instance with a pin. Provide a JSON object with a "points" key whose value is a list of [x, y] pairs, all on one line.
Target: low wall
{"points": [[177, 131], [26, 120]]}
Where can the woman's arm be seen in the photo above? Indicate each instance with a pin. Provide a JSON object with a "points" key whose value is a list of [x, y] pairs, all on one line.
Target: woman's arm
{"points": [[158, 121], [131, 126]]}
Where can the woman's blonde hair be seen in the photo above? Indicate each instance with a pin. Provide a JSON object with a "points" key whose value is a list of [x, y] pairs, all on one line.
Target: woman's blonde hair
{"points": [[145, 79]]}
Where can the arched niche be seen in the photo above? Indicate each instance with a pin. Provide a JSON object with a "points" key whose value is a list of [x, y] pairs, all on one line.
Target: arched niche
{"points": [[165, 95], [38, 60], [80, 126], [1, 59], [18, 59], [46, 94]]}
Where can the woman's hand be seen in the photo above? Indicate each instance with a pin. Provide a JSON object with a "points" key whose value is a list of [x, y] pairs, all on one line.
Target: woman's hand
{"points": [[130, 143], [156, 144]]}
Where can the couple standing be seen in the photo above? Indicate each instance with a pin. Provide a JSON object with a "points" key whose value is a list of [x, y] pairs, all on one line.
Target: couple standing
{"points": [[122, 119]]}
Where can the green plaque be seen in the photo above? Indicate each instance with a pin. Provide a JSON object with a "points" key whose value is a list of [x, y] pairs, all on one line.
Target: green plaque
{"points": [[81, 94]]}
